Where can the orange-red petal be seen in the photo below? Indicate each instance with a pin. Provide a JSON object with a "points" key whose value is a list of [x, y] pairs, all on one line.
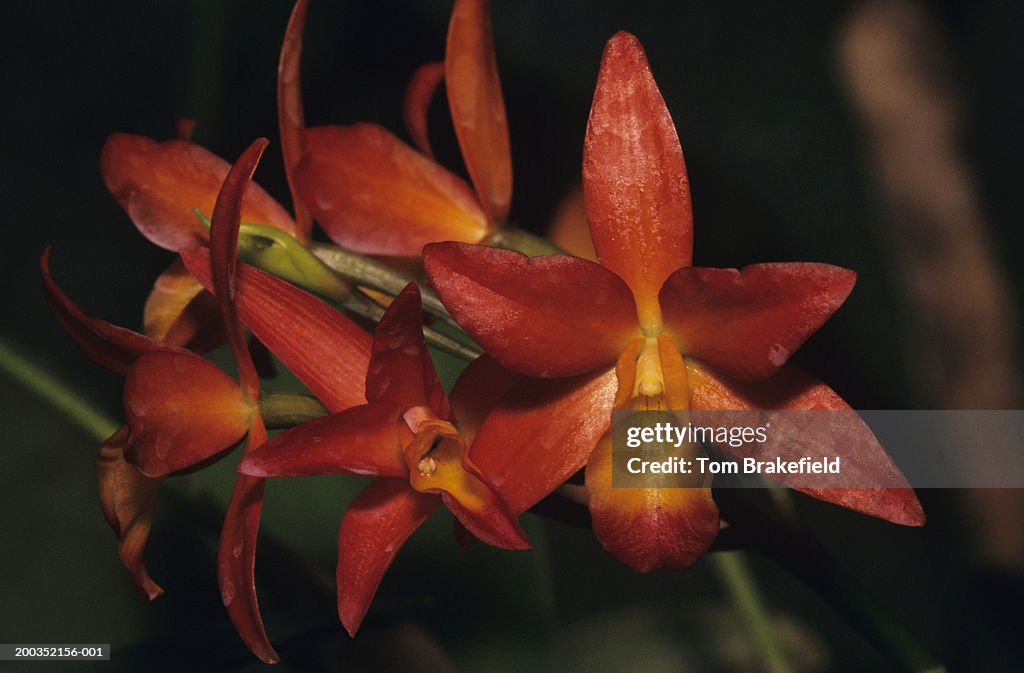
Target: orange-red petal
{"points": [[546, 316], [648, 528], [236, 556], [864, 459], [746, 323], [374, 194], [376, 525], [324, 349], [477, 106], [129, 501], [361, 440], [227, 218], [109, 346], [159, 184], [291, 118], [634, 179], [401, 370], [182, 410], [538, 433], [179, 313], [418, 93], [478, 389]]}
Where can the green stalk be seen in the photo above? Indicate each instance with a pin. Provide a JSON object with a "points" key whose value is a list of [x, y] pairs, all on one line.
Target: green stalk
{"points": [[94, 422], [362, 305], [286, 410], [804, 557], [740, 585], [376, 275], [529, 244]]}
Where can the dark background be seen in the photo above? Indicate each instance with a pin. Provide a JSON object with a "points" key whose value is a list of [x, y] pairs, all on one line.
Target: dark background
{"points": [[779, 171]]}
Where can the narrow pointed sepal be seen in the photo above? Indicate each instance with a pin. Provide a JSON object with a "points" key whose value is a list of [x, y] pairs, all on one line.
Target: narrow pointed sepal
{"points": [[477, 105], [649, 528], [112, 347], [236, 560], [291, 118], [224, 225], [546, 316], [747, 322], [182, 410], [375, 526], [415, 111], [128, 499]]}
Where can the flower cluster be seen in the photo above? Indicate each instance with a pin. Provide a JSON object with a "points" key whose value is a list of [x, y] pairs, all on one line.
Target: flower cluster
{"points": [[566, 340]]}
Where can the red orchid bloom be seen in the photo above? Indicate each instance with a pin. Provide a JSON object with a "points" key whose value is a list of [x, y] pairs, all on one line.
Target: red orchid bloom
{"points": [[524, 434], [677, 336], [374, 194], [404, 435], [182, 411]]}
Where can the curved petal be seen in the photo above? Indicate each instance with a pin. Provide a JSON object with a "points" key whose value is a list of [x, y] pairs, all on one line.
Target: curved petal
{"points": [[546, 316], [634, 180], [179, 313], [478, 389], [291, 119], [418, 93], [182, 410], [327, 352], [236, 557], [361, 440], [477, 106], [112, 347], [158, 185], [864, 460], [540, 433], [376, 525], [227, 218], [401, 370], [648, 528], [129, 501], [746, 323], [374, 194]]}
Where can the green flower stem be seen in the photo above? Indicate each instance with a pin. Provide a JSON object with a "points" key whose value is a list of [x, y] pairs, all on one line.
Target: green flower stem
{"points": [[806, 559], [56, 393], [362, 305], [741, 586], [286, 410], [375, 275], [529, 244]]}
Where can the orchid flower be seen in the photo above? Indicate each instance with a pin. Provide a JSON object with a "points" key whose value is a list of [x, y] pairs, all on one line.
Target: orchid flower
{"points": [[677, 336], [374, 194], [404, 435]]}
